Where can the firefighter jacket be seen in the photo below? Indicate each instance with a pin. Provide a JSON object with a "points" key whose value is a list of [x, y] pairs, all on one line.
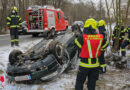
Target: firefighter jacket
{"points": [[122, 33], [102, 31], [14, 21], [90, 45]]}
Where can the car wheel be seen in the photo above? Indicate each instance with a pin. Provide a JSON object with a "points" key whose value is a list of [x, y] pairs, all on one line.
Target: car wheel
{"points": [[57, 49], [13, 56], [35, 35], [53, 31]]}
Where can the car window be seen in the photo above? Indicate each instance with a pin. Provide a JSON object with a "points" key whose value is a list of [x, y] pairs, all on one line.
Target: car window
{"points": [[78, 22], [59, 15]]}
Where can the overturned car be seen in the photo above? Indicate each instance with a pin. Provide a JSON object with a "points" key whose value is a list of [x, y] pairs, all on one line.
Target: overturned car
{"points": [[45, 61]]}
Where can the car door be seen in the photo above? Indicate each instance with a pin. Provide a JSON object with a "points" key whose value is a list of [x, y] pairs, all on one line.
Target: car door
{"points": [[59, 21]]}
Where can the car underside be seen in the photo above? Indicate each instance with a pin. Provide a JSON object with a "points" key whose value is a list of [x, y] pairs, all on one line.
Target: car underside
{"points": [[44, 61]]}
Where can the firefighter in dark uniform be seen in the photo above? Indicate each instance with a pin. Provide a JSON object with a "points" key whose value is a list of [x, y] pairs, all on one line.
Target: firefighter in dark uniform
{"points": [[125, 42], [114, 34], [102, 30], [14, 24], [121, 38], [90, 48]]}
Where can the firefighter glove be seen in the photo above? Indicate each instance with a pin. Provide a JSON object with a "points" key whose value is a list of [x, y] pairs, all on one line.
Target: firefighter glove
{"points": [[102, 69]]}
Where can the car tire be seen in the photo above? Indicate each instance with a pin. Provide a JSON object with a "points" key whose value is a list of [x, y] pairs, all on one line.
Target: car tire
{"points": [[66, 27], [35, 35], [53, 31], [13, 56], [57, 49]]}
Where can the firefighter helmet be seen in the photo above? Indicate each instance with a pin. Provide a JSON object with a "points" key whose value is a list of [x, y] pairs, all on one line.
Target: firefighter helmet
{"points": [[90, 22], [15, 8], [101, 23]]}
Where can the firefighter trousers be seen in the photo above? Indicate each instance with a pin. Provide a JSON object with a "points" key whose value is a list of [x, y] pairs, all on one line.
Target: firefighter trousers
{"points": [[123, 50], [14, 36], [91, 73]]}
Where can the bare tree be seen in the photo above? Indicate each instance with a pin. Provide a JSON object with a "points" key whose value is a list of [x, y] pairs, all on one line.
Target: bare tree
{"points": [[4, 14], [109, 18], [126, 15]]}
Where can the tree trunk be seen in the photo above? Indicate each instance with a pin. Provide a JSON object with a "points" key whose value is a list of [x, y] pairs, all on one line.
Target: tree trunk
{"points": [[4, 15], [127, 11], [109, 19], [20, 5]]}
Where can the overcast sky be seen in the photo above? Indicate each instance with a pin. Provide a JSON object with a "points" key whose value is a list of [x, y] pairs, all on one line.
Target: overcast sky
{"points": [[95, 1]]}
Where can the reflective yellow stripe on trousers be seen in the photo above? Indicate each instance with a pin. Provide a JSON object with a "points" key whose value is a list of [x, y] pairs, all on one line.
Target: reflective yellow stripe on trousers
{"points": [[13, 26], [16, 40], [12, 40], [123, 49]]}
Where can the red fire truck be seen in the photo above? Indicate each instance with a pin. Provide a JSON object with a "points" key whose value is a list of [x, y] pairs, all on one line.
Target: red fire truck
{"points": [[45, 19]]}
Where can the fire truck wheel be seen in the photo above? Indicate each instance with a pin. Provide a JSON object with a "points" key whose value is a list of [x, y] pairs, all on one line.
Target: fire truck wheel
{"points": [[35, 35], [13, 56], [53, 31], [66, 27], [48, 35]]}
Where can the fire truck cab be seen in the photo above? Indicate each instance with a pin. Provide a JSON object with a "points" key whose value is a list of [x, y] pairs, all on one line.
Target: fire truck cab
{"points": [[44, 19]]}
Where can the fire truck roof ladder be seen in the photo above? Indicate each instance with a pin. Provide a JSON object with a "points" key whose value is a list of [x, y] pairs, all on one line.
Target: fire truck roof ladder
{"points": [[48, 7]]}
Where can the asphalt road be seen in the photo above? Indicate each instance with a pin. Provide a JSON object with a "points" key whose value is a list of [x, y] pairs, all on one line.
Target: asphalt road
{"points": [[5, 39]]}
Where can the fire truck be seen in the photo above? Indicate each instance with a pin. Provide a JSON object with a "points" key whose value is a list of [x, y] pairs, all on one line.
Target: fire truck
{"points": [[45, 19]]}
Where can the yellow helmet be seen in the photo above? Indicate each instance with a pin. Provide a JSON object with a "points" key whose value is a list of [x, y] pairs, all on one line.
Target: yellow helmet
{"points": [[101, 23], [15, 8], [90, 22]]}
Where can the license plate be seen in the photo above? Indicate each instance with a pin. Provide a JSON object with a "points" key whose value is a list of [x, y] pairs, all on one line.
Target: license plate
{"points": [[22, 78]]}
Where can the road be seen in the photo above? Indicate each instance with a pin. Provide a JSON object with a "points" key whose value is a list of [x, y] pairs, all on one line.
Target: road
{"points": [[5, 39]]}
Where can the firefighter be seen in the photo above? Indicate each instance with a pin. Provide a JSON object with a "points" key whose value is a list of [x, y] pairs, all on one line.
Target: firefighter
{"points": [[114, 34], [125, 42], [90, 48], [14, 24], [102, 30], [121, 38]]}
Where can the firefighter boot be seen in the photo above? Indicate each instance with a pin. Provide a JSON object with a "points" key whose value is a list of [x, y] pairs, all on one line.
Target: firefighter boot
{"points": [[123, 53], [17, 43], [12, 44]]}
